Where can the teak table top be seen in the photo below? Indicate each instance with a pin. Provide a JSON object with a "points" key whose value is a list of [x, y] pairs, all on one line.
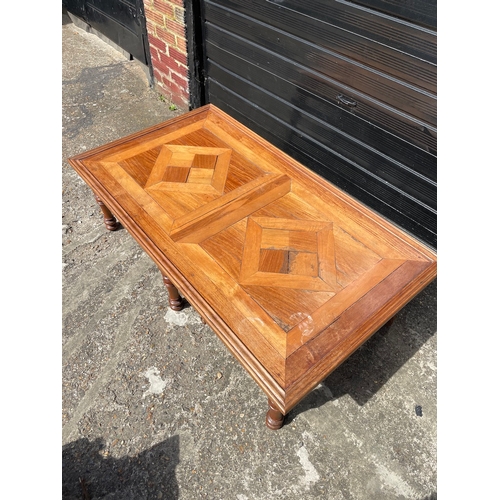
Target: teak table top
{"points": [[290, 272]]}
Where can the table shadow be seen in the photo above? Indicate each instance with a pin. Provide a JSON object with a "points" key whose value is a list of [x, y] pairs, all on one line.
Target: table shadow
{"points": [[376, 361], [87, 473]]}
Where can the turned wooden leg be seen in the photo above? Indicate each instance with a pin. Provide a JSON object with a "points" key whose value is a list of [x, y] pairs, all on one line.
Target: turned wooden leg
{"points": [[274, 417], [109, 219], [175, 300]]}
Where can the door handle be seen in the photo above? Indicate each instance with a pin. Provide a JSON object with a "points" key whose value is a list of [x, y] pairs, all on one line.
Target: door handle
{"points": [[347, 101]]}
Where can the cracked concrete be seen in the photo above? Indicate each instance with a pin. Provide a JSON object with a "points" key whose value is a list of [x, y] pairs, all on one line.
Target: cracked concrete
{"points": [[154, 406]]}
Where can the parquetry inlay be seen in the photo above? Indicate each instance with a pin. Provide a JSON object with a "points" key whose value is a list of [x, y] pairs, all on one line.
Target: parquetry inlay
{"points": [[289, 254], [203, 170]]}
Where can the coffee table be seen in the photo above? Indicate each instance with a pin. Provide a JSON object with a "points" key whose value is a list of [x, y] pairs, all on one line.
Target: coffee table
{"points": [[290, 272]]}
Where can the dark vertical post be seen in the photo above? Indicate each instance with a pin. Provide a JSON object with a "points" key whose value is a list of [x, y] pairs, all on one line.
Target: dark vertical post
{"points": [[141, 19], [195, 35]]}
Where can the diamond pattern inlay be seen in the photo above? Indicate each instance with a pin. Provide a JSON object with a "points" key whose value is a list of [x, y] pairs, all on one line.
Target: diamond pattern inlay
{"points": [[203, 169], [289, 253]]}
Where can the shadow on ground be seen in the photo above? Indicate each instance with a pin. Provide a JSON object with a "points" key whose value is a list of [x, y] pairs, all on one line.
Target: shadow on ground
{"points": [[87, 473], [374, 363]]}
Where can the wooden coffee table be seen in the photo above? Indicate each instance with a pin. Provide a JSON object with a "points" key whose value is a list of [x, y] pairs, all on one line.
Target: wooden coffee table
{"points": [[290, 272]]}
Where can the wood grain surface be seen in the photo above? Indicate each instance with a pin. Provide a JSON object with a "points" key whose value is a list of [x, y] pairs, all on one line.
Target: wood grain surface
{"points": [[290, 272]]}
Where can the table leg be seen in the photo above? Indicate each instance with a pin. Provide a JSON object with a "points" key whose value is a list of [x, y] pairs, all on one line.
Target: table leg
{"points": [[109, 219], [390, 322], [274, 417], [175, 300]]}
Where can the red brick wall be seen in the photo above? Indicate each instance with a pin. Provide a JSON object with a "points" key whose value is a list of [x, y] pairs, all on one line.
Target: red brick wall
{"points": [[165, 20]]}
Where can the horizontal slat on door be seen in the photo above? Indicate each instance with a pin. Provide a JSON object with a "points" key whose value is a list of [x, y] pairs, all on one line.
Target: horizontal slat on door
{"points": [[418, 11]]}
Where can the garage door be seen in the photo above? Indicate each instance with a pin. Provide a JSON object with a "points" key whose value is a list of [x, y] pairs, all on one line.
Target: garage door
{"points": [[346, 88], [122, 21]]}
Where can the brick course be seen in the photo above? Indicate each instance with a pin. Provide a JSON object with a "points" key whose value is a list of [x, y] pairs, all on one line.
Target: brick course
{"points": [[167, 40]]}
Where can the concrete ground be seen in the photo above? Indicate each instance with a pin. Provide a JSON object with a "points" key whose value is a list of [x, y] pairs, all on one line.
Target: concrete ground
{"points": [[155, 407]]}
